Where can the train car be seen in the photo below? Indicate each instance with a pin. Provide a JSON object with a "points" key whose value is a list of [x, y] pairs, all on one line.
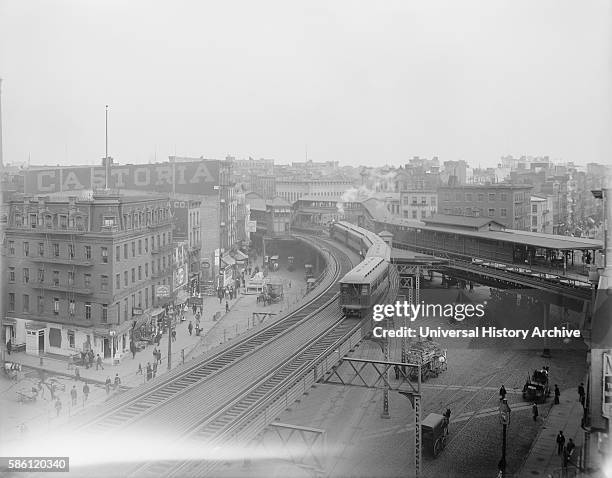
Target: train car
{"points": [[363, 286], [380, 249]]}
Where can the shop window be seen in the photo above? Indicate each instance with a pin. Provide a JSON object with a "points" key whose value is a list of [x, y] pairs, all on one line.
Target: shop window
{"points": [[55, 337], [71, 339]]}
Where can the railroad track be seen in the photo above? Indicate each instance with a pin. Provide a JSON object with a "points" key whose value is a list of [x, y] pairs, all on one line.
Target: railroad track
{"points": [[240, 421]]}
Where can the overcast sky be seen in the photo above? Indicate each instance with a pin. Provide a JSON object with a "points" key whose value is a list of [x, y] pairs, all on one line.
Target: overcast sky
{"points": [[359, 82]]}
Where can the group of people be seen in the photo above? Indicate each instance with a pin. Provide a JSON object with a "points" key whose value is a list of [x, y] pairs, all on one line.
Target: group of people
{"points": [[567, 450]]}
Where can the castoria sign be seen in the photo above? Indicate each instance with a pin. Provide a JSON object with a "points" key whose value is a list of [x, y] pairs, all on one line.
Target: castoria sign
{"points": [[189, 177]]}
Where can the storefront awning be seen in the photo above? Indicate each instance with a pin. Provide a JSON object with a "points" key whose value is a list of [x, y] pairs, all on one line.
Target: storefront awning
{"points": [[229, 260], [181, 297], [9, 321], [240, 256]]}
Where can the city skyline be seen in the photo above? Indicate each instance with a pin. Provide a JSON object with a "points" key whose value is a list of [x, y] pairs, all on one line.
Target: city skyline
{"points": [[363, 86]]}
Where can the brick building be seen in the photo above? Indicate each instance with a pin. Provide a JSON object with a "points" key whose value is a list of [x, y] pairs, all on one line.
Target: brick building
{"points": [[505, 203], [80, 268]]}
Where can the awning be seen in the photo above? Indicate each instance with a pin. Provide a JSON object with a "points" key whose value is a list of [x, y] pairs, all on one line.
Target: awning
{"points": [[157, 312], [229, 260], [9, 321], [240, 256]]}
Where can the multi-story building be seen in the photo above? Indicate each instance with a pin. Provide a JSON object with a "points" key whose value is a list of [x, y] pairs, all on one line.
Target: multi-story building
{"points": [[419, 204], [541, 214], [264, 185], [80, 267], [188, 227], [293, 189], [507, 204]]}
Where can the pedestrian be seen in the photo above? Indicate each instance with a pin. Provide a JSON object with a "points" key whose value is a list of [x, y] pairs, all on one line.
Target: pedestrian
{"points": [[117, 380], [226, 306], [9, 347], [85, 392], [154, 369], [73, 395], [190, 327], [502, 392], [133, 349], [560, 442], [557, 395], [107, 385], [471, 286], [220, 298], [570, 448], [58, 406], [396, 369], [534, 410], [173, 335], [581, 393], [99, 362], [77, 374], [155, 353], [139, 369], [159, 358], [149, 371]]}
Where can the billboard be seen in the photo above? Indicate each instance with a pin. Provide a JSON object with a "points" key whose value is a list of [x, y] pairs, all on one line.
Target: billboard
{"points": [[180, 210], [187, 177]]}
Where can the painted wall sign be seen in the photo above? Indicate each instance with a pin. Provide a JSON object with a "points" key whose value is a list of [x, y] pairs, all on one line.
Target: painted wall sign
{"points": [[188, 177]]}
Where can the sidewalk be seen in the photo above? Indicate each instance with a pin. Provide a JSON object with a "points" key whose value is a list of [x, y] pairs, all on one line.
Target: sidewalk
{"points": [[542, 459]]}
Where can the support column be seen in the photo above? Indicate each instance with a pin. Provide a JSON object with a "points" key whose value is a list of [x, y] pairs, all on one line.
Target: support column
{"points": [[546, 307], [385, 413]]}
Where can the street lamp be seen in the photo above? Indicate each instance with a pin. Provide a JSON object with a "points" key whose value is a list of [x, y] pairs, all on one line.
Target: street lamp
{"points": [[504, 419]]}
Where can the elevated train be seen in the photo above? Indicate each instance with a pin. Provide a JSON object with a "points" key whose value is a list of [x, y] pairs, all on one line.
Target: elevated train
{"points": [[364, 285]]}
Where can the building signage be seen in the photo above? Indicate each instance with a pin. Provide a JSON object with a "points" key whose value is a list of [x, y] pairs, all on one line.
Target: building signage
{"points": [[136, 311], [187, 177], [606, 403], [205, 265], [179, 278], [162, 291]]}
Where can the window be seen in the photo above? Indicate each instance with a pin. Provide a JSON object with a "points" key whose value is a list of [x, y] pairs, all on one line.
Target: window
{"points": [[26, 275], [71, 251], [458, 197], [104, 313], [164, 239], [11, 274], [125, 278], [133, 300], [109, 221], [87, 281], [71, 339], [447, 196], [146, 247], [87, 310], [41, 275], [146, 295], [71, 307], [504, 212], [152, 242], [534, 220], [117, 281], [87, 252], [480, 197], [41, 249], [125, 254], [11, 247], [104, 282], [468, 197], [164, 262], [133, 275], [125, 308], [534, 208], [504, 196], [117, 253], [491, 196], [491, 212], [41, 304], [63, 222], [56, 281], [139, 272], [70, 278], [55, 250], [146, 270], [414, 216], [26, 249], [423, 214], [33, 221], [56, 305], [11, 301], [139, 298], [133, 249], [26, 303], [104, 251], [139, 246]]}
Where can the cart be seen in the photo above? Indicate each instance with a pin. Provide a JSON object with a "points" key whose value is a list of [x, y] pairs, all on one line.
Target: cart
{"points": [[434, 430], [430, 356], [290, 261]]}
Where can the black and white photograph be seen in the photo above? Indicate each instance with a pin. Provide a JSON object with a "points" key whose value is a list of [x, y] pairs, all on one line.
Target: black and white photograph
{"points": [[306, 239]]}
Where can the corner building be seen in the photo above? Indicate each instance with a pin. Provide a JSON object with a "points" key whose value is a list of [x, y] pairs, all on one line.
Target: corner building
{"points": [[80, 267]]}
